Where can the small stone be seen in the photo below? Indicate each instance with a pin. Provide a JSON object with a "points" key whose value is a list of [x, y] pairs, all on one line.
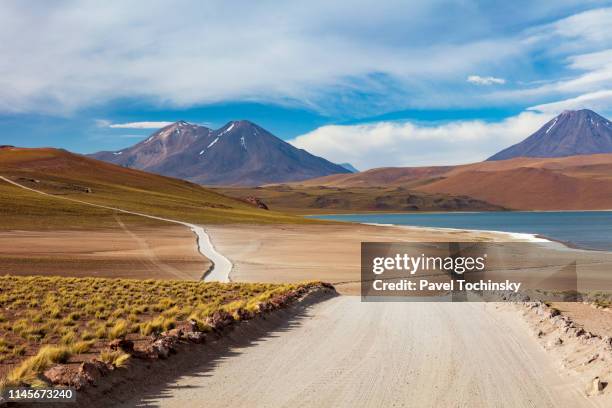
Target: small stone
{"points": [[93, 370], [595, 387], [122, 344], [196, 337], [64, 375], [591, 359]]}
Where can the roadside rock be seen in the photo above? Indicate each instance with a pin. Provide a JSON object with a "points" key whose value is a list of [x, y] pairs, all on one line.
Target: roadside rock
{"points": [[64, 375], [220, 319], [88, 373], [196, 337], [595, 387], [122, 344], [93, 370], [176, 332], [164, 346], [244, 314]]}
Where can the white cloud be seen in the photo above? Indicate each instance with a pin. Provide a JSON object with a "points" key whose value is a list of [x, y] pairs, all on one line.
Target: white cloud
{"points": [[600, 101], [59, 58], [386, 144], [582, 45], [489, 80], [102, 123], [139, 125]]}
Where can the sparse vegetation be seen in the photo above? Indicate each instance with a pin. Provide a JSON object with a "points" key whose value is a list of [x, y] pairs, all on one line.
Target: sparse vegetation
{"points": [[116, 358], [77, 316], [296, 199], [603, 303], [55, 171]]}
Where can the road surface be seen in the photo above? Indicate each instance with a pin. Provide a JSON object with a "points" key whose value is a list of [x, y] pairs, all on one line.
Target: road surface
{"points": [[352, 354]]}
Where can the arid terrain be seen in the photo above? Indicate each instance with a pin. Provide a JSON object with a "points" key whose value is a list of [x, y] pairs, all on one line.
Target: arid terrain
{"points": [[121, 223], [332, 252], [140, 252], [567, 183], [322, 199], [286, 253], [53, 326], [68, 231]]}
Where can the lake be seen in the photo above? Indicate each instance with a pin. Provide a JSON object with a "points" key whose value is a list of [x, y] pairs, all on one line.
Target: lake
{"points": [[583, 229]]}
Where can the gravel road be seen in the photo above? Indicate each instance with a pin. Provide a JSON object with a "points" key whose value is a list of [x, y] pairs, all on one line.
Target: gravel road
{"points": [[353, 354]]}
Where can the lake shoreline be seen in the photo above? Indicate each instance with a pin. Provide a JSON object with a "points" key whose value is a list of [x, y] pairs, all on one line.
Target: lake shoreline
{"points": [[574, 230]]}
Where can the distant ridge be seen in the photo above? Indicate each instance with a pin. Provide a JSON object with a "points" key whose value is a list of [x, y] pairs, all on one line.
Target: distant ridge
{"points": [[349, 167], [580, 182], [570, 133], [239, 153]]}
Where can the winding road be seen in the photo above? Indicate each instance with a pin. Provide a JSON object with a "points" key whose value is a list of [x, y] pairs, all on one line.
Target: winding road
{"points": [[221, 266], [343, 352]]}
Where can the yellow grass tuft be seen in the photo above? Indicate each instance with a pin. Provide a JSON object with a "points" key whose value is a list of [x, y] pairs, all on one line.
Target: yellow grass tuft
{"points": [[119, 330], [27, 372], [117, 358]]}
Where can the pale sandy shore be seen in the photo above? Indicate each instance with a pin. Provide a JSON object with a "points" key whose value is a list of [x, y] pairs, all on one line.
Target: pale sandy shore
{"points": [[288, 253]]}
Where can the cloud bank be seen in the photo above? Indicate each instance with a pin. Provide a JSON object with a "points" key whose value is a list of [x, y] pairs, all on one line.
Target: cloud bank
{"points": [[489, 80], [140, 125], [331, 57], [389, 144]]}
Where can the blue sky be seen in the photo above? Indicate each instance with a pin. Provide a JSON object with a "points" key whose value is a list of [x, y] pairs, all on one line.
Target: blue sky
{"points": [[382, 83]]}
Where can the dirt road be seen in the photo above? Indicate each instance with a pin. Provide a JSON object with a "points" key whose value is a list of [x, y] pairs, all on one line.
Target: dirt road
{"points": [[348, 353], [221, 266]]}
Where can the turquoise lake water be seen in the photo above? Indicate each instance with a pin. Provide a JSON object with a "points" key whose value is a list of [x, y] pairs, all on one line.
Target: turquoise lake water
{"points": [[584, 229]]}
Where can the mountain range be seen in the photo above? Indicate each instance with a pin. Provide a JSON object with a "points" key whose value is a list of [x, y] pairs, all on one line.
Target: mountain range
{"points": [[566, 164], [571, 133], [240, 153]]}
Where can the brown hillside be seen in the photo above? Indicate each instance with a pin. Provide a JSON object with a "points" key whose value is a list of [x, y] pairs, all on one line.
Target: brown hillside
{"points": [[527, 188], [62, 173], [575, 182], [384, 176]]}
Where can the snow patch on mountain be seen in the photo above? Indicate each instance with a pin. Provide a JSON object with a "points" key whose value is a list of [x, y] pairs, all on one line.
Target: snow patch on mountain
{"points": [[227, 130], [554, 123], [213, 142]]}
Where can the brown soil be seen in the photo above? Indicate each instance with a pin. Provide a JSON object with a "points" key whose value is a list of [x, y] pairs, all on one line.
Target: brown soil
{"points": [[124, 252]]}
